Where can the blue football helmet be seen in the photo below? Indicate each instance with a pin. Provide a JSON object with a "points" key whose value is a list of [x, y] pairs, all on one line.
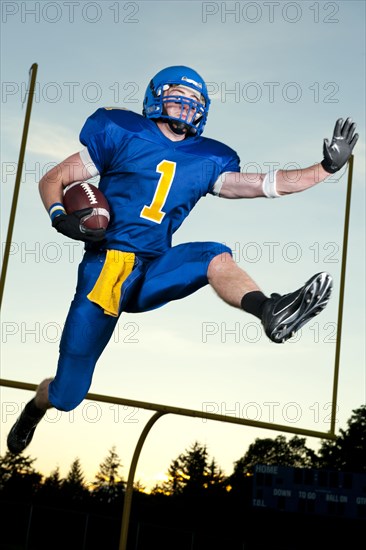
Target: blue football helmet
{"points": [[193, 112]]}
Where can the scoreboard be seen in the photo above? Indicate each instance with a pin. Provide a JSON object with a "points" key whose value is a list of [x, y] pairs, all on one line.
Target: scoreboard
{"points": [[323, 492]]}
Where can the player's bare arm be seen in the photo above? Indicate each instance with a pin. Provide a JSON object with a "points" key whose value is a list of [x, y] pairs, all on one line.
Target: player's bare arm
{"points": [[53, 182], [238, 185], [51, 188], [283, 182]]}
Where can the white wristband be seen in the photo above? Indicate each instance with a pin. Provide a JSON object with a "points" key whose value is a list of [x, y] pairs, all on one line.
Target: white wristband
{"points": [[269, 186]]}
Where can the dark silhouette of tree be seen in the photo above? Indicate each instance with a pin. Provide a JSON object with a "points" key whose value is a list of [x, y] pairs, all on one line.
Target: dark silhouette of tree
{"points": [[73, 486], [276, 451], [139, 487], [215, 476], [12, 465], [109, 484], [75, 476], [348, 451], [192, 473], [18, 478], [50, 489], [54, 480]]}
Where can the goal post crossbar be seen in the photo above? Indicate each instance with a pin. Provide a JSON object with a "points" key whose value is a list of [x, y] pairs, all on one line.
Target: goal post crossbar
{"points": [[180, 411]]}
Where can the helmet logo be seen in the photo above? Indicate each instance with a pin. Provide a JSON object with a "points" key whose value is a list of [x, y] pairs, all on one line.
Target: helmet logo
{"points": [[190, 81]]}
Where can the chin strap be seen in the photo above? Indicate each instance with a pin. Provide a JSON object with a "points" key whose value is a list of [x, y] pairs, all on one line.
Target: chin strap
{"points": [[178, 128]]}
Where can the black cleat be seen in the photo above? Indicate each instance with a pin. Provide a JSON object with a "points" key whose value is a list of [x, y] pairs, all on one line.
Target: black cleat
{"points": [[22, 432], [283, 315]]}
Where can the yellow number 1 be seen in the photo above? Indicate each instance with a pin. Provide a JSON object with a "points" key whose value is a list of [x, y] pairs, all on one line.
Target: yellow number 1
{"points": [[154, 212]]}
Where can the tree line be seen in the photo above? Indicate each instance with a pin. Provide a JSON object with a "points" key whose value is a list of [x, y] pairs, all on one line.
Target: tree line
{"points": [[198, 507], [191, 473]]}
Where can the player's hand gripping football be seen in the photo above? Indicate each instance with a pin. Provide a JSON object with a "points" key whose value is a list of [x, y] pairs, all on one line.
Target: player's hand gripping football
{"points": [[71, 226], [338, 151]]}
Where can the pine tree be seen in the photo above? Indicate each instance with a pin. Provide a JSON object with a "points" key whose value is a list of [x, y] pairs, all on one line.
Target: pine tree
{"points": [[75, 476], [215, 476], [73, 486], [192, 473], [108, 484], [53, 480], [51, 486]]}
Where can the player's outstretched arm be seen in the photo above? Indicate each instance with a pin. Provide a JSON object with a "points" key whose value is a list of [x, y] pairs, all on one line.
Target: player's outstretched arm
{"points": [[284, 182]]}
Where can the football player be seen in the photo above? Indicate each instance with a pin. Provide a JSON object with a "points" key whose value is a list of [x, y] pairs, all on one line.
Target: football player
{"points": [[153, 169]]}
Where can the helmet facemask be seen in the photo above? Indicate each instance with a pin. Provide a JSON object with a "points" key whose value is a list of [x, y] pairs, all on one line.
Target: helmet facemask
{"points": [[189, 114]]}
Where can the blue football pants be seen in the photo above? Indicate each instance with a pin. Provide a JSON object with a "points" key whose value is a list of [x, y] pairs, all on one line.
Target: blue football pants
{"points": [[177, 273]]}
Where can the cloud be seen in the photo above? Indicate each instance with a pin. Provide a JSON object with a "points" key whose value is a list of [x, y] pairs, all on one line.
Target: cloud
{"points": [[55, 142], [46, 140]]}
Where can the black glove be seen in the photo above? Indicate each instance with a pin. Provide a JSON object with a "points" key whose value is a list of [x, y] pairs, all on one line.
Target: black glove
{"points": [[71, 226], [339, 151]]}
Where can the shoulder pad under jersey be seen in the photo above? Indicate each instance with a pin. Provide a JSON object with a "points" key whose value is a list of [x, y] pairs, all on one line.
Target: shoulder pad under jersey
{"points": [[128, 120]]}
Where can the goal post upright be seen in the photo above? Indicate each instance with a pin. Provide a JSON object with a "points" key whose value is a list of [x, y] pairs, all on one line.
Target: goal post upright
{"points": [[341, 296], [23, 145]]}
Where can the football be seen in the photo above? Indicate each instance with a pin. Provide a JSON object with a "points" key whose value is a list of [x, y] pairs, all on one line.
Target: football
{"points": [[81, 195]]}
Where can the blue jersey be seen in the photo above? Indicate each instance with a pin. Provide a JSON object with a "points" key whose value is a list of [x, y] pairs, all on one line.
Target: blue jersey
{"points": [[150, 182]]}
